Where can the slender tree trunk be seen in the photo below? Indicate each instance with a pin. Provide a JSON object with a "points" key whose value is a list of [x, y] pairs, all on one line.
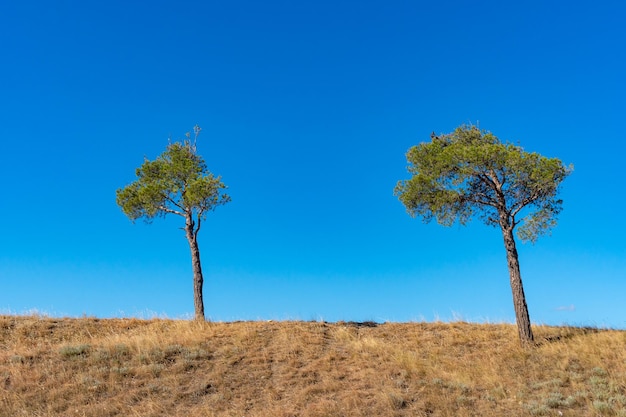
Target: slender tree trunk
{"points": [[198, 279], [519, 299]]}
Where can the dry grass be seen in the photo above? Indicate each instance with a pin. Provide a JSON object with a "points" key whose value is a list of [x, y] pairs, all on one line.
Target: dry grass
{"points": [[127, 367]]}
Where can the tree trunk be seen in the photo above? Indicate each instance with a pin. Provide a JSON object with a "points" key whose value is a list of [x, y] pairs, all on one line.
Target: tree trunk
{"points": [[519, 299], [198, 279]]}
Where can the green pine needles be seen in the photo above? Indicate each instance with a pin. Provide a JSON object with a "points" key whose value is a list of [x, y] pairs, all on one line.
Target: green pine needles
{"points": [[470, 173], [177, 182]]}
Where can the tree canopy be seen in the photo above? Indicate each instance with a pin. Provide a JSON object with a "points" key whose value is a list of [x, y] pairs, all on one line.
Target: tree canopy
{"points": [[177, 182], [469, 172]]}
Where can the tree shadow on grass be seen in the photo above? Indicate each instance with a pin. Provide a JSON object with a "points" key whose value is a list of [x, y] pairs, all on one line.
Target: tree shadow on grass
{"points": [[559, 334]]}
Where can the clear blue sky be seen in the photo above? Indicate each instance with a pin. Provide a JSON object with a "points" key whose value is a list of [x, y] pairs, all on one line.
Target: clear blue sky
{"points": [[307, 110]]}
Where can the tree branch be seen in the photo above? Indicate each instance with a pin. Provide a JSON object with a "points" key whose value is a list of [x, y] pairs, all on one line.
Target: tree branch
{"points": [[493, 178], [518, 207], [486, 178], [198, 223], [514, 222], [169, 210], [485, 200], [173, 202]]}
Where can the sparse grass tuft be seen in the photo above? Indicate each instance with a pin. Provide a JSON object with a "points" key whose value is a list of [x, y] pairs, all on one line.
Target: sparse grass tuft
{"points": [[69, 351], [97, 368]]}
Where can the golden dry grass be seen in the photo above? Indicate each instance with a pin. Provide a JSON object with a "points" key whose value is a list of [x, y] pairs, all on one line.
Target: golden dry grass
{"points": [[129, 367]]}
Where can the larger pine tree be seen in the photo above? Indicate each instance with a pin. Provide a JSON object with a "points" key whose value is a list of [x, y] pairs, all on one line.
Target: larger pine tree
{"points": [[470, 172]]}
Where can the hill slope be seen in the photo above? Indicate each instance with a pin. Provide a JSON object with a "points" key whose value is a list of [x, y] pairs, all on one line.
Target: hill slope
{"points": [[128, 367]]}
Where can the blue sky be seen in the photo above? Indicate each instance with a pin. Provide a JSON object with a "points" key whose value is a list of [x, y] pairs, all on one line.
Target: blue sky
{"points": [[307, 110]]}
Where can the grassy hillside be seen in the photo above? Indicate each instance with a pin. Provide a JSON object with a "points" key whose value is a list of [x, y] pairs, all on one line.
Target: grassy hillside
{"points": [[127, 367]]}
